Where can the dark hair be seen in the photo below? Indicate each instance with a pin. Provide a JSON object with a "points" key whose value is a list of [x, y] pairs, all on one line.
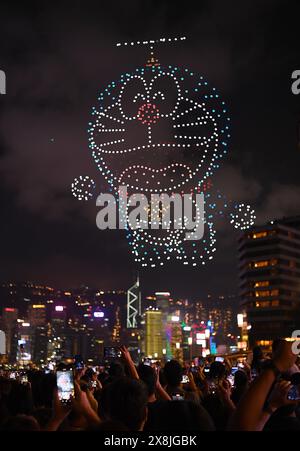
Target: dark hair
{"points": [[148, 375], [43, 416], [277, 344], [125, 400], [116, 370], [20, 423], [217, 370], [89, 374], [173, 373], [240, 386], [179, 416], [257, 353], [240, 378]]}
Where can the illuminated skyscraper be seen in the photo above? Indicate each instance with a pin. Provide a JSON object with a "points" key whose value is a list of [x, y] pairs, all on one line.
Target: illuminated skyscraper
{"points": [[133, 305], [269, 279], [37, 315], [116, 332], [154, 333], [9, 320]]}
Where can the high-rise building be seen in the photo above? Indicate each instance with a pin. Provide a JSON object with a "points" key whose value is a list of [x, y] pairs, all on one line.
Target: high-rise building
{"points": [[173, 330], [37, 315], [9, 321], [133, 305], [269, 270], [39, 344], [154, 333], [163, 304]]}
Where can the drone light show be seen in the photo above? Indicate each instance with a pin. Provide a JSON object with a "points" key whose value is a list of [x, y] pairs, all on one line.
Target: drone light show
{"points": [[163, 130]]}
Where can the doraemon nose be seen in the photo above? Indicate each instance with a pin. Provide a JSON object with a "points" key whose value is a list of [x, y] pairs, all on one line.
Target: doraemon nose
{"points": [[148, 114]]}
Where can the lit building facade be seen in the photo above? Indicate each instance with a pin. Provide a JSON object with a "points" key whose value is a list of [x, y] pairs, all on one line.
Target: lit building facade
{"points": [[269, 270], [154, 333]]}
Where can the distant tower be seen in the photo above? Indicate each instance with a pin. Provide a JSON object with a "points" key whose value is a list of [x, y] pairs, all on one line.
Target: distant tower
{"points": [[133, 304]]}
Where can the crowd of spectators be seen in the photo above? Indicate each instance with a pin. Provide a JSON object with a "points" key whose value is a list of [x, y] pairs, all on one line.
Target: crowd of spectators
{"points": [[260, 395]]}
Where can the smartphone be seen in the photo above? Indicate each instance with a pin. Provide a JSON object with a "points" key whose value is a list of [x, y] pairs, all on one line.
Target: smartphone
{"points": [[240, 365], [185, 379], [111, 352], [253, 373], [78, 362], [230, 378], [65, 385], [93, 384], [219, 359], [206, 369], [201, 361], [24, 379], [212, 387], [177, 397], [293, 393], [12, 376], [234, 370]]}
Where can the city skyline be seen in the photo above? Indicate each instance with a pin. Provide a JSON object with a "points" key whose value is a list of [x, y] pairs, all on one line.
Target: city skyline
{"points": [[47, 235]]}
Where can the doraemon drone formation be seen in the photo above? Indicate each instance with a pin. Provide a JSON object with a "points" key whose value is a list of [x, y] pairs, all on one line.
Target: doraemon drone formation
{"points": [[163, 130]]}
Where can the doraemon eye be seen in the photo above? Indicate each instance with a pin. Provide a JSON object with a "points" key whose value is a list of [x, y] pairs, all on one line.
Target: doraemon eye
{"points": [[165, 93], [138, 96], [133, 94]]}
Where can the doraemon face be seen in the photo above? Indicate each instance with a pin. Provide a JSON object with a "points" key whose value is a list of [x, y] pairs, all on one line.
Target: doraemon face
{"points": [[158, 130]]}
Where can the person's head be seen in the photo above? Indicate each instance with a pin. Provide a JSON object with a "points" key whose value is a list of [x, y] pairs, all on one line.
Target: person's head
{"points": [[116, 370], [90, 374], [125, 400], [240, 379], [179, 416], [217, 370], [43, 416], [277, 343], [148, 375], [257, 353], [173, 373], [21, 423]]}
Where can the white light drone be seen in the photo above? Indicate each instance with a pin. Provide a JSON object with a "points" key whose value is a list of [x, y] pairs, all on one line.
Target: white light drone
{"points": [[164, 130]]}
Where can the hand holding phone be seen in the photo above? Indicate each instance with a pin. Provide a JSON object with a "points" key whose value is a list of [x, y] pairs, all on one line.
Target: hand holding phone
{"points": [[293, 393], [185, 379], [65, 385], [111, 352]]}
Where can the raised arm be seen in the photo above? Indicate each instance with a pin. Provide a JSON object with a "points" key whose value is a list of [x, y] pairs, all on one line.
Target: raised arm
{"points": [[129, 362], [250, 415]]}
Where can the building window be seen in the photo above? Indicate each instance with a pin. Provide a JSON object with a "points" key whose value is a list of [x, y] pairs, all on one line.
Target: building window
{"points": [[262, 294], [263, 283], [259, 235], [262, 304], [275, 303], [261, 264], [264, 343]]}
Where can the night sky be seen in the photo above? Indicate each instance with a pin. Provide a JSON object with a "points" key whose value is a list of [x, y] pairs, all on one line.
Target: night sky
{"points": [[57, 58]]}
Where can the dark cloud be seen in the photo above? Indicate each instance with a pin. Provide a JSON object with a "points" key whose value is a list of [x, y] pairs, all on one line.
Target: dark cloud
{"points": [[57, 58]]}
